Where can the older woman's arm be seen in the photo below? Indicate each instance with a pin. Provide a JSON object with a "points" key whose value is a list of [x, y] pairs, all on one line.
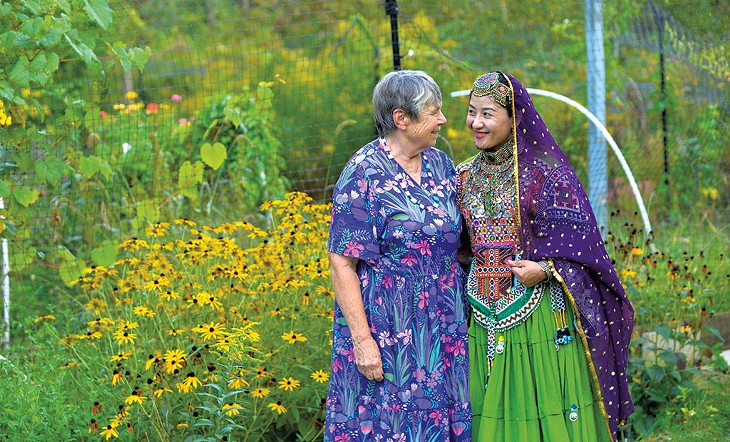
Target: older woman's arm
{"points": [[346, 286]]}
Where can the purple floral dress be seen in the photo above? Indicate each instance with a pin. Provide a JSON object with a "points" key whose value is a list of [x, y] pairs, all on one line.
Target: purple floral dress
{"points": [[406, 236]]}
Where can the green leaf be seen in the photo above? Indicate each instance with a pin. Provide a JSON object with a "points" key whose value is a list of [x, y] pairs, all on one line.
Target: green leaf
{"points": [[20, 73], [89, 166], [100, 12], [105, 170], [140, 57], [24, 196], [86, 54], [105, 255], [189, 177], [214, 155], [43, 67], [51, 170], [4, 189], [91, 117], [69, 272], [147, 210], [124, 59]]}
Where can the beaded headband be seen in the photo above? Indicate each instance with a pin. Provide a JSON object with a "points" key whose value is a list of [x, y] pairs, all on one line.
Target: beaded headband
{"points": [[489, 85]]}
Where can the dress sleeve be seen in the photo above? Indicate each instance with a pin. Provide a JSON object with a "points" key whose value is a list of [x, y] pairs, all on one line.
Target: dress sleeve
{"points": [[356, 225]]}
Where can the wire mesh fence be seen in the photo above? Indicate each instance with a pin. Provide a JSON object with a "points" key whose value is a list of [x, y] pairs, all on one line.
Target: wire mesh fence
{"points": [[283, 87]]}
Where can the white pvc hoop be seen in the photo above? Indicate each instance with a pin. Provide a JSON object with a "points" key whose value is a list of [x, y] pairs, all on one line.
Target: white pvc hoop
{"points": [[596, 122]]}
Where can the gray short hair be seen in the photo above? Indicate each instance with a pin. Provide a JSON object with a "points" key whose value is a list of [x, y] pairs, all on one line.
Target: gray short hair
{"points": [[407, 90]]}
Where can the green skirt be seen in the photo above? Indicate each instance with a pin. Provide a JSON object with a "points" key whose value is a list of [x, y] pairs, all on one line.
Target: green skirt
{"points": [[533, 389]]}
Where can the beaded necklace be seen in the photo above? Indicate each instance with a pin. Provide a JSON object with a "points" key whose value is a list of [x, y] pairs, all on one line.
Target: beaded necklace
{"points": [[490, 178]]}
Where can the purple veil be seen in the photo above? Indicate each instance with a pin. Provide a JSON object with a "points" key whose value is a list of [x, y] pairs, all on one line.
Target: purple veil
{"points": [[556, 222]]}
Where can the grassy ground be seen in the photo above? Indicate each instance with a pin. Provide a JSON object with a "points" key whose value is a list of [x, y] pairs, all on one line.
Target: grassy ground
{"points": [[711, 418]]}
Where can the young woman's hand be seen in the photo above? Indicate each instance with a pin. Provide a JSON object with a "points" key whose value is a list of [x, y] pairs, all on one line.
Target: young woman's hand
{"points": [[528, 272]]}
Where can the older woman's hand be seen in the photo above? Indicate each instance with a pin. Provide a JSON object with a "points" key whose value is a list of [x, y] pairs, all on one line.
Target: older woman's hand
{"points": [[367, 358], [528, 272]]}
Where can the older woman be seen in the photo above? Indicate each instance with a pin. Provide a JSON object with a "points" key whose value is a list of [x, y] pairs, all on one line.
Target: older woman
{"points": [[399, 360], [551, 323]]}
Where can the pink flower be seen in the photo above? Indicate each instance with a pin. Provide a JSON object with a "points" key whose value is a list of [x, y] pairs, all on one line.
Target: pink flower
{"points": [[423, 300], [102, 114], [420, 374], [183, 121], [424, 247], [458, 348], [353, 249], [176, 98], [409, 260], [342, 438]]}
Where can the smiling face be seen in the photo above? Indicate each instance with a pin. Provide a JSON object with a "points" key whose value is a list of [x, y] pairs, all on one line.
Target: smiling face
{"points": [[489, 122], [423, 132]]}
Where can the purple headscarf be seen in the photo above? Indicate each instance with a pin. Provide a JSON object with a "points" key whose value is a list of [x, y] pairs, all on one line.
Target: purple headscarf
{"points": [[556, 222]]}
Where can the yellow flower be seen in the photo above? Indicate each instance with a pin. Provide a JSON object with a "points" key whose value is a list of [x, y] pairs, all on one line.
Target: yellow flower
{"points": [[260, 393], [175, 332], [685, 329], [289, 384], [131, 95], [292, 337], [636, 251], [123, 337], [190, 383], [210, 331], [160, 391], [121, 356], [169, 295], [276, 406], [174, 360], [134, 398], [231, 409], [320, 376], [109, 431], [238, 383], [45, 317], [627, 274], [143, 311]]}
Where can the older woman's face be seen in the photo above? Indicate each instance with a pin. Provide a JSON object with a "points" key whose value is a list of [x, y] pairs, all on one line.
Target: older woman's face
{"points": [[489, 122], [425, 130]]}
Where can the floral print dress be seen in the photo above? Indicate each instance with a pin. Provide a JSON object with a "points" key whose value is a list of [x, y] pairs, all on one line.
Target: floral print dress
{"points": [[406, 236]]}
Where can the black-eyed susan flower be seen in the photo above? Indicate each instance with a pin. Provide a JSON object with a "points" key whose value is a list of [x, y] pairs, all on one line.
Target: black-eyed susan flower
{"points": [[176, 331], [289, 384], [45, 318], [124, 337], [110, 431], [210, 331], [232, 408], [276, 406], [121, 356], [190, 383], [169, 295], [117, 376], [260, 393], [174, 360], [135, 397], [96, 408], [320, 376], [238, 383], [160, 391], [93, 426], [293, 338]]}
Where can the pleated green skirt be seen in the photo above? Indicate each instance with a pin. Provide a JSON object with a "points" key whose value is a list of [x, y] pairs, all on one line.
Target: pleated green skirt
{"points": [[533, 389]]}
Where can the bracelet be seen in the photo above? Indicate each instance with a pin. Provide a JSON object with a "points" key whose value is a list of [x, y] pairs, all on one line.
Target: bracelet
{"points": [[545, 266]]}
